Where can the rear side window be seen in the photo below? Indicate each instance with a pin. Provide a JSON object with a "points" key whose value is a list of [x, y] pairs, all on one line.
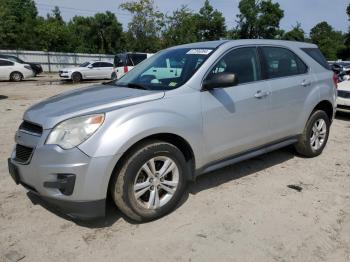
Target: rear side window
{"points": [[316, 54], [281, 62], [6, 63], [105, 64], [137, 58]]}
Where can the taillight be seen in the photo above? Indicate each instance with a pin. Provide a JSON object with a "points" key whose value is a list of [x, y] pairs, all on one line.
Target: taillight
{"points": [[335, 80], [125, 69]]}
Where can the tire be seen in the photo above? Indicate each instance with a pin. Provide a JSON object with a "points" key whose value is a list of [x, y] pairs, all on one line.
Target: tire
{"points": [[16, 77], [113, 76], [76, 77], [139, 205], [314, 139]]}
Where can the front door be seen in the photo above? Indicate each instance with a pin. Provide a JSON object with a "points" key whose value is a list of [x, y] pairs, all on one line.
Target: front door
{"points": [[235, 119]]}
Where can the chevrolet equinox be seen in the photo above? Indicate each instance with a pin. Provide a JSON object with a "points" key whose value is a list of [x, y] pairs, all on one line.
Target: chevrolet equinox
{"points": [[183, 112]]}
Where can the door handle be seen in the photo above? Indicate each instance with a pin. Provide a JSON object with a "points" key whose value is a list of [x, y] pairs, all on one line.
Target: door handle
{"points": [[305, 83], [260, 94]]}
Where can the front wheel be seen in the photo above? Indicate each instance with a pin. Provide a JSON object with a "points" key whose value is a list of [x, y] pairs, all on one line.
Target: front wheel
{"points": [[76, 77], [151, 181], [315, 136]]}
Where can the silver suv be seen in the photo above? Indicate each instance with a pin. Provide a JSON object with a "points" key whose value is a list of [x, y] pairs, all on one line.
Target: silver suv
{"points": [[185, 111]]}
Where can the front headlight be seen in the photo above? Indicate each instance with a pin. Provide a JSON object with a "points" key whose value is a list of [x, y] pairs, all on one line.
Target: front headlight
{"points": [[74, 131]]}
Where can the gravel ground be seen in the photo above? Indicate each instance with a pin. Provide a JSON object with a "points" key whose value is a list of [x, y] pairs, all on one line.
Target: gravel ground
{"points": [[245, 212]]}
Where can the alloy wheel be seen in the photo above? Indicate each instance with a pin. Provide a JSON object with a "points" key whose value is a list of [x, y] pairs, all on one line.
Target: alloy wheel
{"points": [[156, 182]]}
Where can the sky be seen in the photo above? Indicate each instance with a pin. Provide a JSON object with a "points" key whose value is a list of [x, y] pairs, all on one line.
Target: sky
{"points": [[307, 12]]}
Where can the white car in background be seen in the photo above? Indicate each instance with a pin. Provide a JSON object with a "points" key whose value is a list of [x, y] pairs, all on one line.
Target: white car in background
{"points": [[343, 99], [88, 70], [10, 70], [124, 62]]}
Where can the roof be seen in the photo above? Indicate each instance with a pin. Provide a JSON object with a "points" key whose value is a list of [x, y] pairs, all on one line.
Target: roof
{"points": [[215, 44]]}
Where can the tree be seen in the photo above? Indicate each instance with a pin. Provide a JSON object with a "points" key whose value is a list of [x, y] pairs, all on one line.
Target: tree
{"points": [[296, 34], [145, 28], [17, 20], [53, 33], [259, 19], [210, 23], [101, 33], [180, 28], [328, 40]]}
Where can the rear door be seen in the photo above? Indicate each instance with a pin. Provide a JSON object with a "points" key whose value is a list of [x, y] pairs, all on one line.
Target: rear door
{"points": [[290, 83], [106, 69], [5, 69], [235, 119]]}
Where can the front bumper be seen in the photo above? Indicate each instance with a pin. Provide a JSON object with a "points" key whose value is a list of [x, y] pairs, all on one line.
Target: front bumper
{"points": [[65, 75], [46, 172]]}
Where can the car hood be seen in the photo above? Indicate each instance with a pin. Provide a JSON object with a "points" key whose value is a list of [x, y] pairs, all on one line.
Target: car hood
{"points": [[94, 99], [344, 86]]}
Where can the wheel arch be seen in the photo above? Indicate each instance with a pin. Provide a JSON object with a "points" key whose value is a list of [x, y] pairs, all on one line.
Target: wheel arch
{"points": [[325, 106], [16, 71], [171, 138]]}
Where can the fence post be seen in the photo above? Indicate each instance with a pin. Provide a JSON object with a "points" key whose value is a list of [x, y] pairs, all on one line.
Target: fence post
{"points": [[48, 61], [75, 59]]}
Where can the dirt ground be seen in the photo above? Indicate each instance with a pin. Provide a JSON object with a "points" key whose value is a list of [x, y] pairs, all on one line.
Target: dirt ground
{"points": [[244, 212]]}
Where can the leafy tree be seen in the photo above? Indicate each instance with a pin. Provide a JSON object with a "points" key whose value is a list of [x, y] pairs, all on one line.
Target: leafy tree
{"points": [[296, 34], [259, 19], [17, 20], [328, 40], [210, 23], [145, 28], [180, 28], [53, 33], [101, 33]]}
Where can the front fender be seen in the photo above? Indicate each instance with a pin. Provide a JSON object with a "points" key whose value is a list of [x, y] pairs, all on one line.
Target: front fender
{"points": [[133, 124]]}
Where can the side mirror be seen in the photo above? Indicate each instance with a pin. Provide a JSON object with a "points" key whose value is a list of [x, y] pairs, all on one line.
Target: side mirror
{"points": [[90, 66], [221, 80]]}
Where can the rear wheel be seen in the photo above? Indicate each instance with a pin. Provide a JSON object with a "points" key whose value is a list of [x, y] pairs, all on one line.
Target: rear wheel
{"points": [[315, 136], [76, 77], [16, 76], [150, 182], [113, 76]]}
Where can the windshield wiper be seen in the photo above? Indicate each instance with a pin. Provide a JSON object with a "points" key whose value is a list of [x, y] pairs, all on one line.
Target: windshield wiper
{"points": [[136, 86]]}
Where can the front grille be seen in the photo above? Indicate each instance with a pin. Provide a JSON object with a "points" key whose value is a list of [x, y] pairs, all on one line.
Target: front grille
{"points": [[30, 127], [344, 94], [23, 153]]}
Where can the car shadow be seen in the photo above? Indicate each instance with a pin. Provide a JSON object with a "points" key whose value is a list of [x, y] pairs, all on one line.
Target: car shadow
{"points": [[342, 116], [204, 182]]}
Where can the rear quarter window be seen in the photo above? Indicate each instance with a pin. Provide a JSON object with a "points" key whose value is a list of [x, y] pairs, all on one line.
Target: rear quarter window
{"points": [[316, 55]]}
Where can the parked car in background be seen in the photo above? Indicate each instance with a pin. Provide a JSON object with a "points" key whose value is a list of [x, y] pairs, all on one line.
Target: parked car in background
{"points": [[88, 70], [124, 62], [10, 70], [343, 99], [141, 138], [37, 68]]}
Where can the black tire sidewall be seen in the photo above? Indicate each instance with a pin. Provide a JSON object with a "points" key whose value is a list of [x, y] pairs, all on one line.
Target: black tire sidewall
{"points": [[16, 73], [139, 159], [315, 117], [76, 77]]}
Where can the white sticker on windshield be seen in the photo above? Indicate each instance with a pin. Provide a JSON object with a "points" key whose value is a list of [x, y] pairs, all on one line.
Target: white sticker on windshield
{"points": [[199, 52]]}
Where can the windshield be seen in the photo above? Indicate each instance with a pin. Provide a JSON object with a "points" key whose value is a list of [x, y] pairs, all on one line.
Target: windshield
{"points": [[166, 70], [84, 64]]}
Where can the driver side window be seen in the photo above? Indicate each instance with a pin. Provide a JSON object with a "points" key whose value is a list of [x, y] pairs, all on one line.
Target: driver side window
{"points": [[242, 62]]}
